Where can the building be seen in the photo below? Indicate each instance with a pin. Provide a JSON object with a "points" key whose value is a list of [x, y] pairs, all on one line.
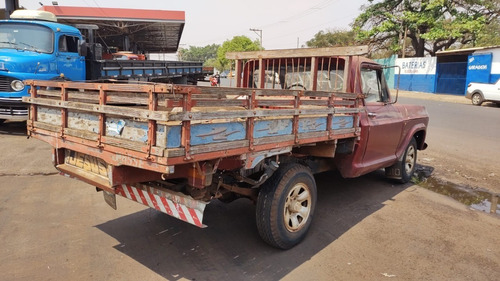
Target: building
{"points": [[449, 72]]}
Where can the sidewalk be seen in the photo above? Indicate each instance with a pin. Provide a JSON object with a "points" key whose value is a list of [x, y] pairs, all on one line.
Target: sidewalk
{"points": [[430, 96]]}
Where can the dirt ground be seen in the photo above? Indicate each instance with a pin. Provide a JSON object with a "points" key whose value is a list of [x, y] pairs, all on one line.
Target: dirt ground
{"points": [[480, 171]]}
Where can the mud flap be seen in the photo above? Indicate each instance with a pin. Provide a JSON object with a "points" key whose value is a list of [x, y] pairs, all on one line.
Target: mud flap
{"points": [[394, 171], [175, 204], [110, 198]]}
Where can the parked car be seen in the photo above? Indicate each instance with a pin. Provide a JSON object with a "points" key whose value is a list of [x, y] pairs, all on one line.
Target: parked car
{"points": [[224, 74], [481, 92]]}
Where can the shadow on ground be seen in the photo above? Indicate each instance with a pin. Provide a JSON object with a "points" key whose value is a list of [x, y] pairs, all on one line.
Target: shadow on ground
{"points": [[13, 128], [230, 248]]}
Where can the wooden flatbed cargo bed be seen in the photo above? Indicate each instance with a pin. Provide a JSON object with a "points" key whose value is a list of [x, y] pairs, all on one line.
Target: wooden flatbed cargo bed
{"points": [[156, 126]]}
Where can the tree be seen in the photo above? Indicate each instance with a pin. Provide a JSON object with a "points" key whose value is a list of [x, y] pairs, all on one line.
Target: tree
{"points": [[213, 63], [333, 38], [429, 26], [202, 54], [490, 35], [237, 44]]}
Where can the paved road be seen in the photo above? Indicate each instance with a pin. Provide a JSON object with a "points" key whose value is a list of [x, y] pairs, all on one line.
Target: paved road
{"points": [[467, 138]]}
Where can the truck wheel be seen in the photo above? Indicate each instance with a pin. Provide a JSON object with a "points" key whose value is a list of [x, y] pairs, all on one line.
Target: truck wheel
{"points": [[285, 206], [477, 99], [409, 162], [404, 169]]}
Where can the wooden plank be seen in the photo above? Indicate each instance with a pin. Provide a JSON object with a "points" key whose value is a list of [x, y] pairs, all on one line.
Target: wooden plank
{"points": [[93, 96], [136, 146], [277, 139], [185, 116], [246, 91], [300, 53], [174, 152], [355, 110], [313, 135], [220, 103], [344, 131], [46, 126], [106, 109], [206, 148], [81, 134]]}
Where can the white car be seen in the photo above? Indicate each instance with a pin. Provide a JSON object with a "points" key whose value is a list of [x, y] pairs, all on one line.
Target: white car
{"points": [[481, 92]]}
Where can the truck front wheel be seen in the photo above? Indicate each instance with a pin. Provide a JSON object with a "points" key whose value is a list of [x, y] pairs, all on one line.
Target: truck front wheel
{"points": [[404, 169], [285, 206]]}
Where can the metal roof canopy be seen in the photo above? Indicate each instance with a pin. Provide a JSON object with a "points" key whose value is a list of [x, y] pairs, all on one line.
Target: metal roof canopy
{"points": [[465, 51], [149, 31]]}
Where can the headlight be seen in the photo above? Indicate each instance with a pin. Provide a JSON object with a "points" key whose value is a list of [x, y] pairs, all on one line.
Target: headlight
{"points": [[17, 85]]}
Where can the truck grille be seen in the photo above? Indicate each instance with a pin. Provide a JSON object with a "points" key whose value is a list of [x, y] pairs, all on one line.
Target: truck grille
{"points": [[5, 84]]}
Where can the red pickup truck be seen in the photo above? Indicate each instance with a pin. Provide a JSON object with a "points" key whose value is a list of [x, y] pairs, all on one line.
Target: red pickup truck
{"points": [[175, 148]]}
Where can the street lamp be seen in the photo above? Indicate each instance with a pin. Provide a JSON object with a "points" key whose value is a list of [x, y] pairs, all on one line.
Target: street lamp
{"points": [[259, 34]]}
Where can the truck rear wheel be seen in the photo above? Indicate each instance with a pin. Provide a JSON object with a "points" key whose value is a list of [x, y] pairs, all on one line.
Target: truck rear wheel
{"points": [[285, 206]]}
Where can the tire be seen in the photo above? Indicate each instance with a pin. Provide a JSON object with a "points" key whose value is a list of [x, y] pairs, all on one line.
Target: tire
{"points": [[409, 162], [403, 170], [285, 206], [477, 99], [296, 86]]}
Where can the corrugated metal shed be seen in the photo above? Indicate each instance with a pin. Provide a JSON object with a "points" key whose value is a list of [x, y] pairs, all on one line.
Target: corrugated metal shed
{"points": [[150, 31]]}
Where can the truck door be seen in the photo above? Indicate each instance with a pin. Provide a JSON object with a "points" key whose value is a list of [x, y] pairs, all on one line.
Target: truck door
{"points": [[69, 63], [383, 121]]}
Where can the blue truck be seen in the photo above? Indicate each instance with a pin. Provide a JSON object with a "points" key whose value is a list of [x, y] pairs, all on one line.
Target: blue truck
{"points": [[34, 46]]}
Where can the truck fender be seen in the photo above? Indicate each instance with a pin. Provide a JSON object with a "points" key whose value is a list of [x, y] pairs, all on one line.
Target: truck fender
{"points": [[418, 131]]}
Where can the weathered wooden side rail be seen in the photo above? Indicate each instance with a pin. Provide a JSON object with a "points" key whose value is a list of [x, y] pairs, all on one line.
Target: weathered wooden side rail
{"points": [[155, 126]]}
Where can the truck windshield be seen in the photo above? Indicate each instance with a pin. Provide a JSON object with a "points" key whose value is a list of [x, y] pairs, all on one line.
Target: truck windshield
{"points": [[27, 37]]}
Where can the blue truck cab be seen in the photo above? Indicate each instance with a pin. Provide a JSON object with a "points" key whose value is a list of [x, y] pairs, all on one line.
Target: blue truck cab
{"points": [[34, 46]]}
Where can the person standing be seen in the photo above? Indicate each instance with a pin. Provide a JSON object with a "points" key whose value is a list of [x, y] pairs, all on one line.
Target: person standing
{"points": [[217, 76]]}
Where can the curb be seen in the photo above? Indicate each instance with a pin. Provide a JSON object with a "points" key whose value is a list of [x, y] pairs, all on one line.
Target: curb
{"points": [[431, 96]]}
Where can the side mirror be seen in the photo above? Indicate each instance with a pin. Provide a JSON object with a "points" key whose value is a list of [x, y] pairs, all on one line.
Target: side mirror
{"points": [[396, 87], [82, 48]]}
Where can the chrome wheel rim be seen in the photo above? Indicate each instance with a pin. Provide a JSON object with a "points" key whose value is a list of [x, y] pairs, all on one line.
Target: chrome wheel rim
{"points": [[476, 99], [410, 159], [297, 207]]}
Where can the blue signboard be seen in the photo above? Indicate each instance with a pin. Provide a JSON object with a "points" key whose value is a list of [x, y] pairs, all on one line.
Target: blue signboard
{"points": [[479, 68]]}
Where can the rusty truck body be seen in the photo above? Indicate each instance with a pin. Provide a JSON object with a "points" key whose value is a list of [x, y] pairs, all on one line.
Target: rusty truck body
{"points": [[174, 148]]}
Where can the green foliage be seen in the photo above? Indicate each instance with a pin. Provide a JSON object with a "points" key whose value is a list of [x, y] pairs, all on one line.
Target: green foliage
{"points": [[333, 38], [430, 26], [202, 54], [213, 63], [237, 44], [490, 35]]}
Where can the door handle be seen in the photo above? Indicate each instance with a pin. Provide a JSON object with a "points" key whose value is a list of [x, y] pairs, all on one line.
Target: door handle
{"points": [[372, 115]]}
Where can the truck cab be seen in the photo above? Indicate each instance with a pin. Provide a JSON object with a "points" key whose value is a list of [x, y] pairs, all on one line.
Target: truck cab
{"points": [[386, 128], [34, 46]]}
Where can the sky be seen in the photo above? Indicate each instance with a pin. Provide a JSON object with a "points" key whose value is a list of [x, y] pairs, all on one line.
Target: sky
{"points": [[285, 24]]}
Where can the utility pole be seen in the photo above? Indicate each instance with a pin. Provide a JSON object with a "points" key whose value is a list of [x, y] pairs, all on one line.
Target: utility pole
{"points": [[259, 34], [10, 6]]}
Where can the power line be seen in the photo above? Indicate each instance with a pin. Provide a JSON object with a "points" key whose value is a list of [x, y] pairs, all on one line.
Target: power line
{"points": [[297, 16], [300, 15]]}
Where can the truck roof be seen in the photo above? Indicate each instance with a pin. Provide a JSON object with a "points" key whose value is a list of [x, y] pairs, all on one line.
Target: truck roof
{"points": [[153, 31], [52, 25]]}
